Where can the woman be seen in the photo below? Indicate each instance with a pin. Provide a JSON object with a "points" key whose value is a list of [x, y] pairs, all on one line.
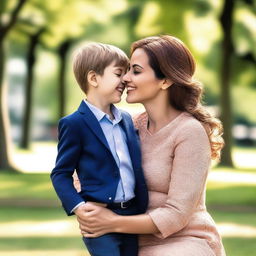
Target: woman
{"points": [[178, 140]]}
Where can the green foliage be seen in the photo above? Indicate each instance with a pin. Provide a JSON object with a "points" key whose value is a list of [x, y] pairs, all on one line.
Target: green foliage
{"points": [[119, 22]]}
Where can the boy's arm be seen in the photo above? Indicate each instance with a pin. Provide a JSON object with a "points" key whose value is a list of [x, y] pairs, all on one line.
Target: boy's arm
{"points": [[69, 148]]}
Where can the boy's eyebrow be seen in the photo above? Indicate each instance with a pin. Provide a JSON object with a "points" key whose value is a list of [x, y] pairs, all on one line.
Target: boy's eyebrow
{"points": [[119, 69]]}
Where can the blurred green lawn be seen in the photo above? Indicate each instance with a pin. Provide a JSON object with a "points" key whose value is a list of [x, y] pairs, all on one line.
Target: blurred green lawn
{"points": [[32, 221]]}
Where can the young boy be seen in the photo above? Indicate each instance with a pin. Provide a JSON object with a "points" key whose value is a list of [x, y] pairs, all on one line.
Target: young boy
{"points": [[99, 142]]}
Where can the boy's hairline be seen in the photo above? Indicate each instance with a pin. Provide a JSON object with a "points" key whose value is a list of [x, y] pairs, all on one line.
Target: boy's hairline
{"points": [[121, 62]]}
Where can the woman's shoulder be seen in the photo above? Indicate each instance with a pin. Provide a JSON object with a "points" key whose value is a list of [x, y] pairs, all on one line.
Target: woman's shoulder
{"points": [[139, 119], [191, 126]]}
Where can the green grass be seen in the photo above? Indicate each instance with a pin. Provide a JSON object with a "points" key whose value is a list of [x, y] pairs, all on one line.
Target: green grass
{"points": [[240, 246], [237, 217], [41, 243], [231, 195], [9, 214], [18, 185], [31, 197]]}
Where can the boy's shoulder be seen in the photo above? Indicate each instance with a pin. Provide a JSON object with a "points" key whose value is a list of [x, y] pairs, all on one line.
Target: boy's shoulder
{"points": [[71, 117], [124, 113]]}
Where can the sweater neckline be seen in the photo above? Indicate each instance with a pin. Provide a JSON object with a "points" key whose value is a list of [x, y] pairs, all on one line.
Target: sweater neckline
{"points": [[168, 125]]}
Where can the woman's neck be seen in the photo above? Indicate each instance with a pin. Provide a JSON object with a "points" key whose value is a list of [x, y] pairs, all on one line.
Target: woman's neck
{"points": [[160, 113]]}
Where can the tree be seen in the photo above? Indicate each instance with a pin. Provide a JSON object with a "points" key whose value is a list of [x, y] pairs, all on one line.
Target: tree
{"points": [[29, 84], [225, 102], [45, 26], [62, 53], [229, 55], [5, 28]]}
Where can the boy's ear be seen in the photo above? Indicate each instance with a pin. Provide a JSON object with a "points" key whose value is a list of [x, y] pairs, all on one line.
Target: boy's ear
{"points": [[92, 78], [166, 83]]}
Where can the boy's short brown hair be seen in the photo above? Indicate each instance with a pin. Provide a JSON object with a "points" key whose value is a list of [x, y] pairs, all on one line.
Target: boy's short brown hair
{"points": [[96, 57]]}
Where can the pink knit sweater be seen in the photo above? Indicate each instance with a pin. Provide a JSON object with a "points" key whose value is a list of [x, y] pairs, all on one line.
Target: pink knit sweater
{"points": [[176, 161]]}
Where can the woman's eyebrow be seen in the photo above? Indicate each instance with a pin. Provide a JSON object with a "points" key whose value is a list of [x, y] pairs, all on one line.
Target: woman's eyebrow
{"points": [[136, 65]]}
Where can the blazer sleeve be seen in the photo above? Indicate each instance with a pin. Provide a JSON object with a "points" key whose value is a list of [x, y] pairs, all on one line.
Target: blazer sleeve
{"points": [[192, 156], [69, 148]]}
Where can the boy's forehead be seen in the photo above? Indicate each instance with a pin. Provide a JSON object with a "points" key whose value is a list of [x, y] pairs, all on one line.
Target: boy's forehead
{"points": [[118, 67]]}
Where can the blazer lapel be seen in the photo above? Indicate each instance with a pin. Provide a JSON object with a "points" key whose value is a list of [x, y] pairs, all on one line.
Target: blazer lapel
{"points": [[132, 140], [92, 122]]}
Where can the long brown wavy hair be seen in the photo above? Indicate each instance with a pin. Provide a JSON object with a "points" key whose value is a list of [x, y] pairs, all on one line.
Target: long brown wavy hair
{"points": [[170, 58]]}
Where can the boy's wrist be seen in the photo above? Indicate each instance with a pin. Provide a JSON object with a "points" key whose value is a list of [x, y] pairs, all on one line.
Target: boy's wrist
{"points": [[78, 208]]}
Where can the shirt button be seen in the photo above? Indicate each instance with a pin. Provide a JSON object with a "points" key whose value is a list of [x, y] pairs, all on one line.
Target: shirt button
{"points": [[109, 198]]}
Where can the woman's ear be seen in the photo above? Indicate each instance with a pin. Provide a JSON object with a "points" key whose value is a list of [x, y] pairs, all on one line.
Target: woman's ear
{"points": [[92, 78], [166, 83]]}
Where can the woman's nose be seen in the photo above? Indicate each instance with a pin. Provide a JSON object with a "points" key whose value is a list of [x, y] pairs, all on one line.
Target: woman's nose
{"points": [[126, 77]]}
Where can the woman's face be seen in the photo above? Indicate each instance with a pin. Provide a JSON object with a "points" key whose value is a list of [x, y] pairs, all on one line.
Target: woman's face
{"points": [[141, 82]]}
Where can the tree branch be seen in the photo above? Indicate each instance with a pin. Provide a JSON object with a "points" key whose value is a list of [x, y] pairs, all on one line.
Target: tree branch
{"points": [[5, 29]]}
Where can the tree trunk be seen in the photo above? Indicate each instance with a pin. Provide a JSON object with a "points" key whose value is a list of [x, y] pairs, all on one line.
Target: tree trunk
{"points": [[226, 110], [5, 162], [31, 58], [63, 51]]}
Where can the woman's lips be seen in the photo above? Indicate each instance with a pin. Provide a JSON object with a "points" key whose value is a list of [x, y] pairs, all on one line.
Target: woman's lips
{"points": [[130, 88]]}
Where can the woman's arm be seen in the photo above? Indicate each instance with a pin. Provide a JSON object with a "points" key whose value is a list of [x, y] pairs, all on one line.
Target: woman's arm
{"points": [[99, 220], [189, 172]]}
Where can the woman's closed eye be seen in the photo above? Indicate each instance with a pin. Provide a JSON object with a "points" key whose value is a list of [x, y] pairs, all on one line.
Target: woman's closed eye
{"points": [[136, 71]]}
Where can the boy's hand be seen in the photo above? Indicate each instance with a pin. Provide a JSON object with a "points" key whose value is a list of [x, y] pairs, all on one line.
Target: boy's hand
{"points": [[96, 220], [82, 209]]}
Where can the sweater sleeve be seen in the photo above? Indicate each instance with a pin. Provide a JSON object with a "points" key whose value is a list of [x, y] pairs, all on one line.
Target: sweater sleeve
{"points": [[189, 172]]}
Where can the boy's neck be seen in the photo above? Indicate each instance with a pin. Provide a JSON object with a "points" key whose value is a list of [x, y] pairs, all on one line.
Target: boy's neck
{"points": [[103, 106]]}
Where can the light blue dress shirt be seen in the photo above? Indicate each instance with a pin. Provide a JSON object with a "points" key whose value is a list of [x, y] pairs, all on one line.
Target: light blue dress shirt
{"points": [[117, 142]]}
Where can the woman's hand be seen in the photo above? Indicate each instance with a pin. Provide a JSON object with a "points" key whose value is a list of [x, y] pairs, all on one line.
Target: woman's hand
{"points": [[97, 220]]}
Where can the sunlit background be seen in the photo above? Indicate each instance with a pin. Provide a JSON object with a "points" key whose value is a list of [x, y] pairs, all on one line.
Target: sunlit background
{"points": [[37, 87]]}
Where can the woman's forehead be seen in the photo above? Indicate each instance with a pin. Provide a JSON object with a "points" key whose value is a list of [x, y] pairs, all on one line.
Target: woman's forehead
{"points": [[139, 56]]}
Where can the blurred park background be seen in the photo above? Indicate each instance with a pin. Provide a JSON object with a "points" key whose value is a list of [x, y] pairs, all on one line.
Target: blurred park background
{"points": [[37, 87]]}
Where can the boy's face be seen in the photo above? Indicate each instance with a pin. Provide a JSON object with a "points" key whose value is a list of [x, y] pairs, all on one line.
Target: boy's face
{"points": [[110, 83]]}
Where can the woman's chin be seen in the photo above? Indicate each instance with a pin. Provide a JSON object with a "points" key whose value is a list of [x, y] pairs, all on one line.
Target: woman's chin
{"points": [[131, 99]]}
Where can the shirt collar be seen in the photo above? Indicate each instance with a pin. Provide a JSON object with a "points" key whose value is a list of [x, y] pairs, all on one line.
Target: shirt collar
{"points": [[99, 114]]}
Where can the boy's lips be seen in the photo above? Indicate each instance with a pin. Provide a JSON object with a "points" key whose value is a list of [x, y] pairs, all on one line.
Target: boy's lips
{"points": [[120, 89]]}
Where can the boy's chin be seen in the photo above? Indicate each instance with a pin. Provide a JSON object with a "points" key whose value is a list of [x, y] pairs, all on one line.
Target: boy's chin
{"points": [[117, 100]]}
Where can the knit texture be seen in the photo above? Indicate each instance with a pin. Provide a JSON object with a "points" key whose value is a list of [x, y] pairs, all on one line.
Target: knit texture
{"points": [[176, 160]]}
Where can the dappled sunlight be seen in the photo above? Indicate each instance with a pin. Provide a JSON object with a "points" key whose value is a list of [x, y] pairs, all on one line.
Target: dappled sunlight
{"points": [[40, 187], [60, 228], [45, 252], [236, 230], [40, 159], [245, 159], [10, 184], [69, 228], [232, 178]]}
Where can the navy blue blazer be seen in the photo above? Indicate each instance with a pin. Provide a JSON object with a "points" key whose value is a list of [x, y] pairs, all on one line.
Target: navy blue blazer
{"points": [[83, 147]]}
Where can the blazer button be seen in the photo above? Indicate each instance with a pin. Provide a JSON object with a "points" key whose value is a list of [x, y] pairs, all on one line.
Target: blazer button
{"points": [[110, 198]]}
